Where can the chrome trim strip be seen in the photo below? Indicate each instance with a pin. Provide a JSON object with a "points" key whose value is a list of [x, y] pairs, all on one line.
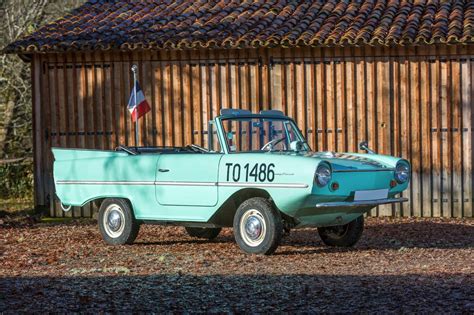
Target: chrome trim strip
{"points": [[98, 182], [361, 203], [269, 185], [170, 183], [360, 171]]}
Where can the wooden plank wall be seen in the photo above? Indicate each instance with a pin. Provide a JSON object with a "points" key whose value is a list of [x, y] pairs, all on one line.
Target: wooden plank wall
{"points": [[410, 102]]}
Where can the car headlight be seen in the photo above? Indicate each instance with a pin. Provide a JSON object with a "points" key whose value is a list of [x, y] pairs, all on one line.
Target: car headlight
{"points": [[402, 172], [323, 175]]}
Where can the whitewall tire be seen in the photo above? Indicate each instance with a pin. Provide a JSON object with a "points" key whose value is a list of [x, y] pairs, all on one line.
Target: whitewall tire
{"points": [[258, 226], [117, 223]]}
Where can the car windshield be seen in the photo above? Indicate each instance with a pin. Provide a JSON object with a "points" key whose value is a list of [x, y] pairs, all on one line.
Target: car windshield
{"points": [[262, 135]]}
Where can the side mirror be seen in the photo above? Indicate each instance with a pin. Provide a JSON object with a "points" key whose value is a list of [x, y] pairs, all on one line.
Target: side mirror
{"points": [[363, 145]]}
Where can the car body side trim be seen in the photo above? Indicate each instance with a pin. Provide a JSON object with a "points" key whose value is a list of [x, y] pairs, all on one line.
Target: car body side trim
{"points": [[171, 183], [268, 185], [99, 182], [181, 183]]}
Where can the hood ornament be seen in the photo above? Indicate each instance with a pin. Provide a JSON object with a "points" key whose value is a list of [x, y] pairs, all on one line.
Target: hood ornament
{"points": [[363, 145]]}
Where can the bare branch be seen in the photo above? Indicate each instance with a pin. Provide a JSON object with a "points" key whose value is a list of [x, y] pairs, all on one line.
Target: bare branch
{"points": [[21, 17]]}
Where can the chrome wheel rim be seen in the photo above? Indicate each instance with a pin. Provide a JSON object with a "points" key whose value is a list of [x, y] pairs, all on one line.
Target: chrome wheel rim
{"points": [[114, 220], [253, 227]]}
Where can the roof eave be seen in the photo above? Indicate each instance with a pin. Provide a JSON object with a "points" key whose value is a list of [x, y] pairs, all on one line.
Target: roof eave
{"points": [[25, 57]]}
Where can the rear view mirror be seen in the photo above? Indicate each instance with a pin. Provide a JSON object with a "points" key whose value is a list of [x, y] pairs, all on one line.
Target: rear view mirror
{"points": [[296, 145], [363, 145]]}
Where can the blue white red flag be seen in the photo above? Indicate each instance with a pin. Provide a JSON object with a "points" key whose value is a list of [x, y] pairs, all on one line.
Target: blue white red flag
{"points": [[137, 107]]}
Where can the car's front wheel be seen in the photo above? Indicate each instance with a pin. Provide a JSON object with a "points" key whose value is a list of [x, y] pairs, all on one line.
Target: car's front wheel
{"points": [[258, 226], [206, 233], [117, 223], [342, 235]]}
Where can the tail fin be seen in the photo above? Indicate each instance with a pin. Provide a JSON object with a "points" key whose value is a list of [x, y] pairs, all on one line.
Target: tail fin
{"points": [[61, 154]]}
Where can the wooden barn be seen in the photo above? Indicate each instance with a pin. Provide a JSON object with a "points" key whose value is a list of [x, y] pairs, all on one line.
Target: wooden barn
{"points": [[396, 73]]}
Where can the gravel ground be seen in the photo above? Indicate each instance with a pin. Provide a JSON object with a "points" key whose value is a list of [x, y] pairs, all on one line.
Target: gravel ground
{"points": [[399, 265]]}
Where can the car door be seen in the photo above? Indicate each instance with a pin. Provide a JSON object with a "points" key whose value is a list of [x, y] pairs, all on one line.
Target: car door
{"points": [[187, 179]]}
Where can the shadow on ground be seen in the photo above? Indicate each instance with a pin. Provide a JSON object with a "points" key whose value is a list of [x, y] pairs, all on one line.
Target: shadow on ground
{"points": [[424, 234], [239, 293], [380, 236]]}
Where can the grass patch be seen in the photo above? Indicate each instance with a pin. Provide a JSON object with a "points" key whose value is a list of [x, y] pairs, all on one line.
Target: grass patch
{"points": [[56, 220], [17, 205], [16, 180]]}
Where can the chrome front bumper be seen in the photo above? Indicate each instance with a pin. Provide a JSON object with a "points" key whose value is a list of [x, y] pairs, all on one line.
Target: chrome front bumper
{"points": [[360, 203]]}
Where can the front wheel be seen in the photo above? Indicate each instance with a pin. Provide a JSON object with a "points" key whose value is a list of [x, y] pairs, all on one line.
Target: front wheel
{"points": [[117, 223], [342, 235], [258, 226]]}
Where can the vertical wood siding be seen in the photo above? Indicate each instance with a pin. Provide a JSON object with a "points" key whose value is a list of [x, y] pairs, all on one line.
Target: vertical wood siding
{"points": [[410, 102]]}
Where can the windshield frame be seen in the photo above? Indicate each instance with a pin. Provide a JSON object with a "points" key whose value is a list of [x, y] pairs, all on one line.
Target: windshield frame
{"points": [[225, 145]]}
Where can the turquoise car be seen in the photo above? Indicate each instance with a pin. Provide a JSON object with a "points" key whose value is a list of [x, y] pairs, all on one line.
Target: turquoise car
{"points": [[257, 175]]}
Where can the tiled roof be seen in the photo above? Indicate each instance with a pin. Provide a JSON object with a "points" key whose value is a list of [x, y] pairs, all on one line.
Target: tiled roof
{"points": [[130, 25]]}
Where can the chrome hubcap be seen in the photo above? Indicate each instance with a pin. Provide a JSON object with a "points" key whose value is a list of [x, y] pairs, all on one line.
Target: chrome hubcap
{"points": [[114, 220], [338, 231], [253, 227]]}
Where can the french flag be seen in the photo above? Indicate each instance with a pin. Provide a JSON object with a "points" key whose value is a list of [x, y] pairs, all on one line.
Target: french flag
{"points": [[137, 107]]}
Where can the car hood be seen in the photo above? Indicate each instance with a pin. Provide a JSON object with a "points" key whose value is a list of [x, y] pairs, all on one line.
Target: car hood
{"points": [[347, 161]]}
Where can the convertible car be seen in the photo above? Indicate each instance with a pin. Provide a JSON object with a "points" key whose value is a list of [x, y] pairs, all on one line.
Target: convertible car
{"points": [[257, 175]]}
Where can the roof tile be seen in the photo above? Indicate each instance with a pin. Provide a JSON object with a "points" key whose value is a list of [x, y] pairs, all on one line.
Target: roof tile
{"points": [[153, 24]]}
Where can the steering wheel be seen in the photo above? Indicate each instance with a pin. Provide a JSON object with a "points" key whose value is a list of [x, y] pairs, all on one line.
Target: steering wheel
{"points": [[272, 143]]}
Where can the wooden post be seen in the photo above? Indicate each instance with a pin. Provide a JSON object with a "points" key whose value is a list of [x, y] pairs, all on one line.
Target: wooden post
{"points": [[39, 192]]}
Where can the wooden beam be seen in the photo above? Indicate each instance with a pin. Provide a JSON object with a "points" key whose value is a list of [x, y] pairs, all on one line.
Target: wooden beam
{"points": [[38, 132]]}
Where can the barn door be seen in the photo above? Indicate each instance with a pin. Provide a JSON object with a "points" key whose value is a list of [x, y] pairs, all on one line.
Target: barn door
{"points": [[415, 106]]}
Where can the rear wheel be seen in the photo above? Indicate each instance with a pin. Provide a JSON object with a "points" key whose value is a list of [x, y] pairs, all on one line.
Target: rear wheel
{"points": [[207, 233], [117, 223], [258, 226], [342, 235]]}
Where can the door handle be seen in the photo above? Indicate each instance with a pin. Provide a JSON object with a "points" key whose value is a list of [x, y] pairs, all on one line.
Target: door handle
{"points": [[163, 170]]}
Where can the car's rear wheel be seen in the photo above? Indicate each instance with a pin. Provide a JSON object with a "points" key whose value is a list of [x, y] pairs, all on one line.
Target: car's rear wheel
{"points": [[345, 235], [258, 226], [117, 223], [206, 233]]}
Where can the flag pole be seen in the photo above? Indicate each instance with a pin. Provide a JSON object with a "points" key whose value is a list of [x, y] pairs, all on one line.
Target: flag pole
{"points": [[135, 70]]}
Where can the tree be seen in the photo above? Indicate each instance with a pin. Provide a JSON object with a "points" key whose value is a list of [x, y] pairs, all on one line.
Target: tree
{"points": [[20, 17]]}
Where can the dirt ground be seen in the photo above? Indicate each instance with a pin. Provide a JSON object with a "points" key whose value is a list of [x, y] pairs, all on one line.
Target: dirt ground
{"points": [[399, 265]]}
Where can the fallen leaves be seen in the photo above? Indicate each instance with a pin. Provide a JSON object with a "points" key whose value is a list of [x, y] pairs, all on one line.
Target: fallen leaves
{"points": [[400, 265]]}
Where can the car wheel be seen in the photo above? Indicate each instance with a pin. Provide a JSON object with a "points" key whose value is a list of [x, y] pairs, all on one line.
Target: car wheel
{"points": [[342, 235], [117, 223], [207, 233], [258, 226]]}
